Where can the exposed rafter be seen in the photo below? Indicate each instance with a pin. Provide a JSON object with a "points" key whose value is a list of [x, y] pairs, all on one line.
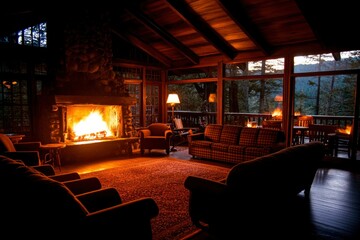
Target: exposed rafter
{"points": [[203, 28], [235, 10], [143, 46], [166, 36]]}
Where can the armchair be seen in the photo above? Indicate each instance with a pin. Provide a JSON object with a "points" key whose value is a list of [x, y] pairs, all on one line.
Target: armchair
{"points": [[180, 133], [27, 152], [155, 136]]}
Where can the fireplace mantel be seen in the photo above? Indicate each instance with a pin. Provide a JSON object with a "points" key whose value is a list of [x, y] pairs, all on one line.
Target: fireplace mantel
{"points": [[64, 100]]}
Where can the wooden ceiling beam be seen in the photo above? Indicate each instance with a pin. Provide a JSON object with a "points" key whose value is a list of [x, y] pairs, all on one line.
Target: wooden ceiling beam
{"points": [[166, 36], [202, 27], [235, 10], [143, 46]]}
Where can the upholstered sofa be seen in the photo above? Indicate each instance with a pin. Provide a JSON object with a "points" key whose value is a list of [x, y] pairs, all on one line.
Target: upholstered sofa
{"points": [[35, 205], [259, 199], [234, 144]]}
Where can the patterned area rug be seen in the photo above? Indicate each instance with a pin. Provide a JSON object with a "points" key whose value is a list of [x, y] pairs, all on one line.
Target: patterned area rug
{"points": [[163, 180]]}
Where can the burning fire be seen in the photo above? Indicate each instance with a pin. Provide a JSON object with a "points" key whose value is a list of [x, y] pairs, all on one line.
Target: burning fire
{"points": [[251, 124], [277, 113], [346, 130], [91, 127]]}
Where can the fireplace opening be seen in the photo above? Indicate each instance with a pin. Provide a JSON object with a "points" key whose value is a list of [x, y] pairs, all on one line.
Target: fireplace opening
{"points": [[93, 122]]}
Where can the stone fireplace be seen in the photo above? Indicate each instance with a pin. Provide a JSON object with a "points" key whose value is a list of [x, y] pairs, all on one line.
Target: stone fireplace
{"points": [[92, 127], [87, 118], [87, 100]]}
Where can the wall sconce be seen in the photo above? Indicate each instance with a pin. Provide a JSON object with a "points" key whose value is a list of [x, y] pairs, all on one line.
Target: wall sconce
{"points": [[172, 99], [212, 97]]}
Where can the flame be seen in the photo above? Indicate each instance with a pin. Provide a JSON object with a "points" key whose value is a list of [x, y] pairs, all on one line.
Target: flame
{"points": [[91, 127], [346, 130], [277, 113], [251, 124], [297, 113]]}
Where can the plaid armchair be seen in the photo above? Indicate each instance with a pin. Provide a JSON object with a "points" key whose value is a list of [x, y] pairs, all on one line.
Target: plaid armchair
{"points": [[155, 136]]}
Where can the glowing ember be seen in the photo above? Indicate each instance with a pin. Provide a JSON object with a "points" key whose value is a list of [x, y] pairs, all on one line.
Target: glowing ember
{"points": [[91, 127]]}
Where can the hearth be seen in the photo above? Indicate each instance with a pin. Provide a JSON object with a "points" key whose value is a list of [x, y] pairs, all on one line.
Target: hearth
{"points": [[93, 122], [87, 118]]}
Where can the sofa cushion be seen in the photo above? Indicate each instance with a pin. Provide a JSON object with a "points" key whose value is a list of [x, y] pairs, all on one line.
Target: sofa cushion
{"points": [[201, 144], [254, 151], [230, 134], [221, 147], [267, 137], [248, 136], [213, 132], [237, 149]]}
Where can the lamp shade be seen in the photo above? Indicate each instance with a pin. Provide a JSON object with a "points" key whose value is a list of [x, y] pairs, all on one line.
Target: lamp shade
{"points": [[278, 98], [173, 98]]}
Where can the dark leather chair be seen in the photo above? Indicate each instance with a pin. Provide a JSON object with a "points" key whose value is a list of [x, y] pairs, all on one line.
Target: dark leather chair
{"points": [[27, 152], [155, 136]]}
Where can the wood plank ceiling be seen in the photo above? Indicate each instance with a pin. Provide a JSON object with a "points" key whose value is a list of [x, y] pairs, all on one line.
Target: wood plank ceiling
{"points": [[181, 34]]}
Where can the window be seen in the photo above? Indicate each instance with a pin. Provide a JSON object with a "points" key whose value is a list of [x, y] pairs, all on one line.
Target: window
{"points": [[21, 80]]}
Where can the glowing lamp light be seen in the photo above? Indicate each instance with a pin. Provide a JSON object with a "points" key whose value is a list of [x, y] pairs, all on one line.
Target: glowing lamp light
{"points": [[173, 99], [212, 97]]}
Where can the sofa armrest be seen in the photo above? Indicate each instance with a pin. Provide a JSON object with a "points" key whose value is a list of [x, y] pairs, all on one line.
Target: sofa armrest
{"points": [[100, 199], [144, 132], [29, 158], [46, 169], [64, 177], [196, 136], [79, 186], [130, 220], [206, 186], [168, 134], [207, 200]]}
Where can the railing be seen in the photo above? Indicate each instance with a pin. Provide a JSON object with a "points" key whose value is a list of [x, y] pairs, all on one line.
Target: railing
{"points": [[198, 118]]}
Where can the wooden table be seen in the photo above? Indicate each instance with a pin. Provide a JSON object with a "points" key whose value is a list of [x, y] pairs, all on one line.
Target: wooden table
{"points": [[53, 155]]}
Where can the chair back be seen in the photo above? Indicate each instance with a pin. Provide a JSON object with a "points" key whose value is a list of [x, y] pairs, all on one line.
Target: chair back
{"points": [[320, 132], [158, 129], [6, 145], [178, 123], [272, 124]]}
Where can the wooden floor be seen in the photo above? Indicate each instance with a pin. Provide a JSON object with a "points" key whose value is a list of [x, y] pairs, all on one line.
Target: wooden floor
{"points": [[334, 204]]}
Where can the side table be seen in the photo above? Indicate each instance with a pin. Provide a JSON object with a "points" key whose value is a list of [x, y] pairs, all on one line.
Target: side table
{"points": [[15, 138], [53, 154]]}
